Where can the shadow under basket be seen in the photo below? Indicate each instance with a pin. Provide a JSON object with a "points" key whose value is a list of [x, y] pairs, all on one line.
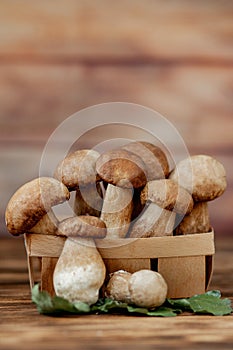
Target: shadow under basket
{"points": [[186, 262]]}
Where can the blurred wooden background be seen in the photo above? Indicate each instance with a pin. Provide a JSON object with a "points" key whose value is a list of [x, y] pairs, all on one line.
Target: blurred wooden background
{"points": [[57, 57]]}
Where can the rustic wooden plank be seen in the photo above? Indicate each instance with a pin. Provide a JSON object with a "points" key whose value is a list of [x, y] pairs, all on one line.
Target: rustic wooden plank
{"points": [[47, 268], [185, 276], [126, 248], [126, 29], [196, 100]]}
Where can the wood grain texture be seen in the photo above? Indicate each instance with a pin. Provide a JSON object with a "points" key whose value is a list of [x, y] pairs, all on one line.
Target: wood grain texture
{"points": [[33, 331], [185, 276], [125, 30], [129, 248]]}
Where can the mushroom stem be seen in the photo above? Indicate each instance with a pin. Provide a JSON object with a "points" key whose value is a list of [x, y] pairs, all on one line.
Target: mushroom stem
{"points": [[154, 222], [116, 211], [197, 221], [88, 200], [80, 271]]}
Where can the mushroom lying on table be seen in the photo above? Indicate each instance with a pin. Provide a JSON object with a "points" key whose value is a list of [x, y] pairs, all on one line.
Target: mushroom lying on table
{"points": [[80, 270], [165, 198], [144, 288], [205, 178], [78, 172], [31, 202]]}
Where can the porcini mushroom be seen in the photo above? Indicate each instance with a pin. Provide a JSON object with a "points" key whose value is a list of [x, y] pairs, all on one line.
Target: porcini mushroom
{"points": [[165, 198], [144, 288], [147, 288], [32, 201], [123, 171], [78, 172], [205, 178], [80, 270], [118, 286]]}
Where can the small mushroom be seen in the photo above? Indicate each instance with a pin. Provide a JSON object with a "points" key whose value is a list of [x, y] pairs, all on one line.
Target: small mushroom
{"points": [[80, 270], [78, 172], [155, 159], [144, 288], [118, 286], [203, 176], [147, 288], [32, 201], [165, 198]]}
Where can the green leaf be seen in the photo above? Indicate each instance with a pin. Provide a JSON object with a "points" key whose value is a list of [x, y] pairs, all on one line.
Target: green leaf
{"points": [[160, 311], [106, 305], [210, 304], [182, 304], [42, 300], [56, 305]]}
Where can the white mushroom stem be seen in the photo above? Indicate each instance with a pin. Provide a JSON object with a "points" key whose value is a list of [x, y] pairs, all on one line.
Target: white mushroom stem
{"points": [[196, 222], [80, 271], [88, 200], [153, 222], [116, 211]]}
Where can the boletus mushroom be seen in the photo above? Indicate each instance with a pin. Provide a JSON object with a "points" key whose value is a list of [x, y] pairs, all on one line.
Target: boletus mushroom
{"points": [[78, 172], [205, 178], [32, 201], [164, 199], [144, 288], [123, 171], [80, 270]]}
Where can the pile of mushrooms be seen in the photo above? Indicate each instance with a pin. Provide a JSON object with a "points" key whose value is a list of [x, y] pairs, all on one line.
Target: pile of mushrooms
{"points": [[128, 192]]}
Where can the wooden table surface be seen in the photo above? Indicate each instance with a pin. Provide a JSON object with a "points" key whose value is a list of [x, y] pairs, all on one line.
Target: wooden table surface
{"points": [[23, 328]]}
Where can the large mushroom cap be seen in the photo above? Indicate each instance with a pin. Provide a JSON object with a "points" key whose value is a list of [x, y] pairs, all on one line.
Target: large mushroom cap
{"points": [[32, 201], [82, 226], [122, 168], [168, 195], [153, 156], [78, 169], [203, 176]]}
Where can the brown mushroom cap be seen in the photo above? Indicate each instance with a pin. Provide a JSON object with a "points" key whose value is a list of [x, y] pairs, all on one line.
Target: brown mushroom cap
{"points": [[32, 201], [82, 226], [122, 168], [154, 158], [78, 169], [168, 195], [208, 179]]}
